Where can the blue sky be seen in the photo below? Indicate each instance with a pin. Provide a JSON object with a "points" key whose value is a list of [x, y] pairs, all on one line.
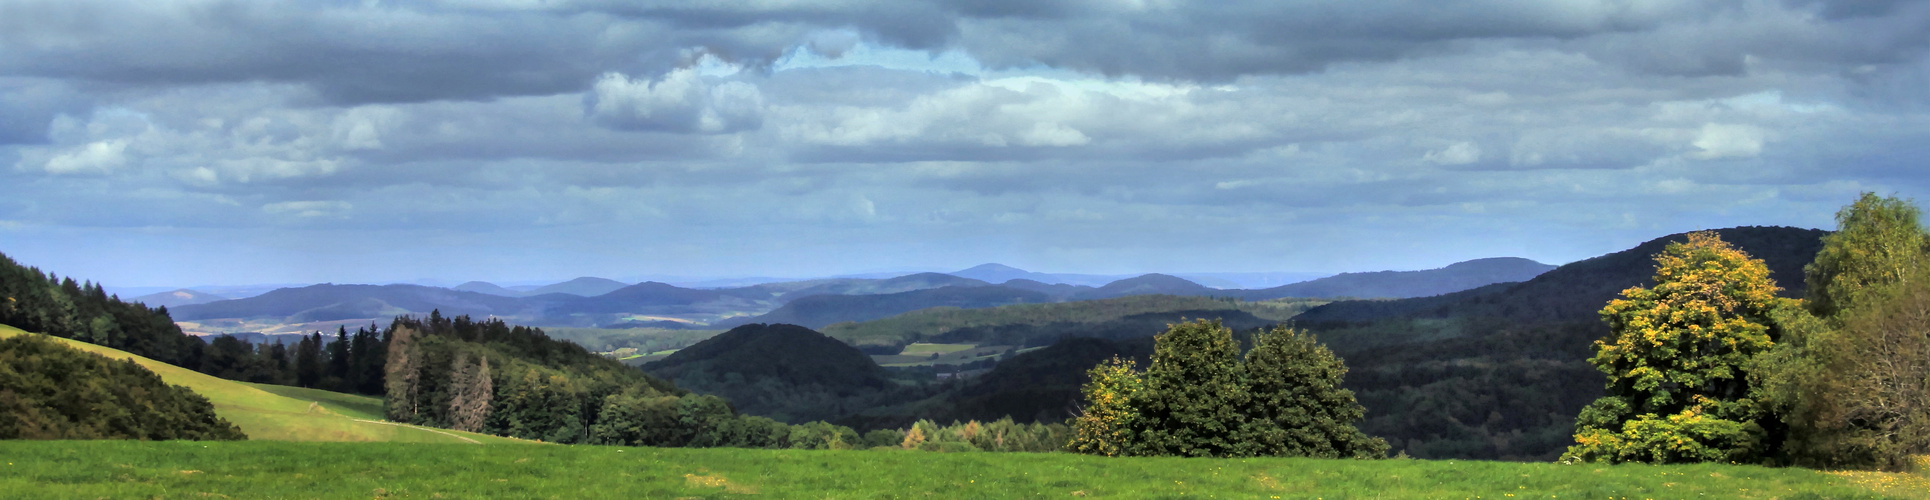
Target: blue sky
{"points": [[181, 142]]}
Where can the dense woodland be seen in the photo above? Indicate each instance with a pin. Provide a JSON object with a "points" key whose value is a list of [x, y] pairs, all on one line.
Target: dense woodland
{"points": [[52, 391]]}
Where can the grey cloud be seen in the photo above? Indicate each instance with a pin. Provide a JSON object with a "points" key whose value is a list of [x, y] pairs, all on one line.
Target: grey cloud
{"points": [[681, 101]]}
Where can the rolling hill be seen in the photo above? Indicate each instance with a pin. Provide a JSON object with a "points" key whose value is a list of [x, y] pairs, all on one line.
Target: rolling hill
{"points": [[279, 413], [586, 286], [818, 311], [177, 298], [486, 287], [785, 372], [329, 301], [1405, 284]]}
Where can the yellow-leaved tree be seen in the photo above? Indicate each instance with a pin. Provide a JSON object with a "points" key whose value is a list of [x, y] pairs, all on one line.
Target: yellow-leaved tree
{"points": [[1105, 425], [1675, 358]]}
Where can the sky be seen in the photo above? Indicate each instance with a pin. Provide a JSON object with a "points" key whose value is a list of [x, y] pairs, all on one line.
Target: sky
{"points": [[180, 142]]}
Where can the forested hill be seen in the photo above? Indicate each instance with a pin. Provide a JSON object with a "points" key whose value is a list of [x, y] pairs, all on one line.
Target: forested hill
{"points": [[1500, 372], [332, 302], [786, 372], [38, 302], [1577, 290], [1403, 284], [818, 311]]}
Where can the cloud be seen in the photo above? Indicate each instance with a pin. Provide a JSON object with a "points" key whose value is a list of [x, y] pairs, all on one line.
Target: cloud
{"points": [[308, 209], [1726, 141], [101, 157], [682, 101], [1460, 153]]}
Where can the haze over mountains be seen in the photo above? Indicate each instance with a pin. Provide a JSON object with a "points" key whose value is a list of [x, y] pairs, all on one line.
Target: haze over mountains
{"points": [[599, 302]]}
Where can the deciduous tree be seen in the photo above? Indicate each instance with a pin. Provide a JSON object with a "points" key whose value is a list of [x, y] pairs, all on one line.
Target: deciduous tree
{"points": [[1675, 359]]}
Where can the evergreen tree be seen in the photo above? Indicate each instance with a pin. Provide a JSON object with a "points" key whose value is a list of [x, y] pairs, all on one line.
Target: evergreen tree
{"points": [[1675, 359]]}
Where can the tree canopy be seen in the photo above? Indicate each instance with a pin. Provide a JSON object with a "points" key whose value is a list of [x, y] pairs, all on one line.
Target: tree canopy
{"points": [[1200, 398], [51, 391], [1675, 358]]}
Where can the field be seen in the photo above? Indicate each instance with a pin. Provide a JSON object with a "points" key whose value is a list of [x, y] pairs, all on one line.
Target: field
{"points": [[282, 413], [125, 469]]}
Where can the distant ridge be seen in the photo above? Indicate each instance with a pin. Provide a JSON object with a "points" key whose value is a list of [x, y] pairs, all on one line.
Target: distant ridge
{"points": [[487, 287], [1405, 284], [177, 298], [586, 286]]}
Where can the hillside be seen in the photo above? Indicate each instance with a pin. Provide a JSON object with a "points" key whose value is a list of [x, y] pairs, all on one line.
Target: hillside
{"points": [[1577, 290], [821, 310], [1148, 284], [785, 372], [1043, 324], [1500, 372], [486, 287], [586, 286], [280, 413], [1403, 284], [328, 301], [49, 390], [177, 298]]}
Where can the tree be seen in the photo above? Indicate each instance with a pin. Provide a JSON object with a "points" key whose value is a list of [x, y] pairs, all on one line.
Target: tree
{"points": [[1675, 359], [469, 405], [1190, 405], [401, 375], [1852, 380], [1879, 241], [1297, 407], [1200, 399], [1103, 427]]}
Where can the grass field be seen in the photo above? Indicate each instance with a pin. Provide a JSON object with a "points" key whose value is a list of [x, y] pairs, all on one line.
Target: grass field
{"points": [[282, 413], [124, 469]]}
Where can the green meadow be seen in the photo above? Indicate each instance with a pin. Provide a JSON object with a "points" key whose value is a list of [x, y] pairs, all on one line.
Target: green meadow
{"points": [[265, 469], [280, 413]]}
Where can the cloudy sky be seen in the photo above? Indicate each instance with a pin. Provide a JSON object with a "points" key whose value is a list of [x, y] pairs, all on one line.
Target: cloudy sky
{"points": [[178, 142]]}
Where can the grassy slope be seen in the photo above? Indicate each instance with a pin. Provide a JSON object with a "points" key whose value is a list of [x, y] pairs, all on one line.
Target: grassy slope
{"points": [[125, 469], [287, 413]]}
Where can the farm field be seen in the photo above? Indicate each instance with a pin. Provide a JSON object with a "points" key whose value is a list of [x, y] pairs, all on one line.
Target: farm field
{"points": [[284, 413], [256, 469]]}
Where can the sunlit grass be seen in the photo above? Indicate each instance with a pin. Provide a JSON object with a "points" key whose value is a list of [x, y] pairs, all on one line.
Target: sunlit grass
{"points": [[279, 413], [118, 469], [924, 349]]}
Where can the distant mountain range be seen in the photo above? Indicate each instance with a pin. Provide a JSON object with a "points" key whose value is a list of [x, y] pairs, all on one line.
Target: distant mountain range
{"points": [[177, 298], [598, 302]]}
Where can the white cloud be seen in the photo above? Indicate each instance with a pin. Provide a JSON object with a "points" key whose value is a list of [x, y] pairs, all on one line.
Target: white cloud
{"points": [[1460, 153], [681, 101], [100, 157], [309, 209], [1724, 141]]}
